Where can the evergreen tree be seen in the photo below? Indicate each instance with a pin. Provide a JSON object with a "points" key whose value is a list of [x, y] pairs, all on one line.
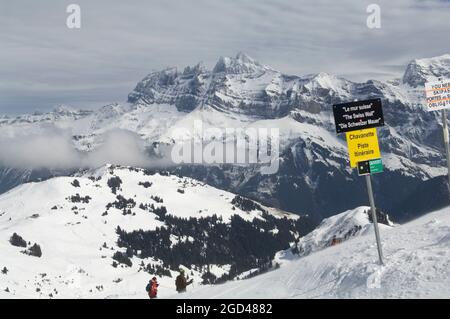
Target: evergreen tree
{"points": [[18, 241]]}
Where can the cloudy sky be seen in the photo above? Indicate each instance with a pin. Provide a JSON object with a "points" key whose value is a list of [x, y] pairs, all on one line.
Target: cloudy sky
{"points": [[43, 63]]}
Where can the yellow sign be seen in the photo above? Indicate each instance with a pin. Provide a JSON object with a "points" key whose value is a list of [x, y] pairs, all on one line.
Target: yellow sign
{"points": [[362, 145]]}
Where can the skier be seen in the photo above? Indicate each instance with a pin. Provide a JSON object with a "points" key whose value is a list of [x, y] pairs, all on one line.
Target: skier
{"points": [[334, 241], [152, 288], [181, 282]]}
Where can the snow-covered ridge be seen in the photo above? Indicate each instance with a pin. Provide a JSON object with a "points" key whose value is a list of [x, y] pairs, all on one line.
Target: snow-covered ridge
{"points": [[336, 229], [239, 65], [185, 197], [239, 85], [420, 71], [75, 221], [417, 265]]}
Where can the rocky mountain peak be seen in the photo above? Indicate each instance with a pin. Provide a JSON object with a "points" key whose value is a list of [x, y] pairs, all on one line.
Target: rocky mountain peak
{"points": [[196, 69], [240, 64], [420, 71], [63, 109]]}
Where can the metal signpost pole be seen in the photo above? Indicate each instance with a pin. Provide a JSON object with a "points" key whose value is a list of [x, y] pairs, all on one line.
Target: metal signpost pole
{"points": [[374, 217]]}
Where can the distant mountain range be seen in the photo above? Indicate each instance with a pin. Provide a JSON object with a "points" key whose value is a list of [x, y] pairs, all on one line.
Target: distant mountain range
{"points": [[314, 176]]}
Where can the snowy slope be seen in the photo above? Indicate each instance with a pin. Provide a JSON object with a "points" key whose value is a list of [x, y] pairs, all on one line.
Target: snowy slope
{"points": [[417, 265], [74, 264], [78, 239], [337, 229]]}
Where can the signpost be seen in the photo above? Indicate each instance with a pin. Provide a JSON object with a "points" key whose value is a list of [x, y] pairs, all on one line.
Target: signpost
{"points": [[359, 121], [438, 98]]}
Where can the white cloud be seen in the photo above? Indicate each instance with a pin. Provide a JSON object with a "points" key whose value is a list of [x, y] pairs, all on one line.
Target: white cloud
{"points": [[48, 148], [52, 148], [119, 147]]}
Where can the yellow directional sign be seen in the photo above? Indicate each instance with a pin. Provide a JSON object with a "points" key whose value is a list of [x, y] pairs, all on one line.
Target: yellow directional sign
{"points": [[362, 145]]}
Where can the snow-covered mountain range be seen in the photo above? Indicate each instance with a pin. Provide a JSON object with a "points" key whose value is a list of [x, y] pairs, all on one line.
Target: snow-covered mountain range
{"points": [[314, 176], [105, 232], [81, 223]]}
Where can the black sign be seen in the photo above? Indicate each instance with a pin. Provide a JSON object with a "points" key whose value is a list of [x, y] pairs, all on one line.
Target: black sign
{"points": [[358, 115], [363, 168], [370, 167]]}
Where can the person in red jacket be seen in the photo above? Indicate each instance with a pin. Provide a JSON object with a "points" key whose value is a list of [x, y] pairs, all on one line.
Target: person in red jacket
{"points": [[152, 288]]}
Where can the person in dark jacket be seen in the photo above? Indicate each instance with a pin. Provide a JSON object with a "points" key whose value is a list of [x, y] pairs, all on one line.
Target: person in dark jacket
{"points": [[181, 282]]}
